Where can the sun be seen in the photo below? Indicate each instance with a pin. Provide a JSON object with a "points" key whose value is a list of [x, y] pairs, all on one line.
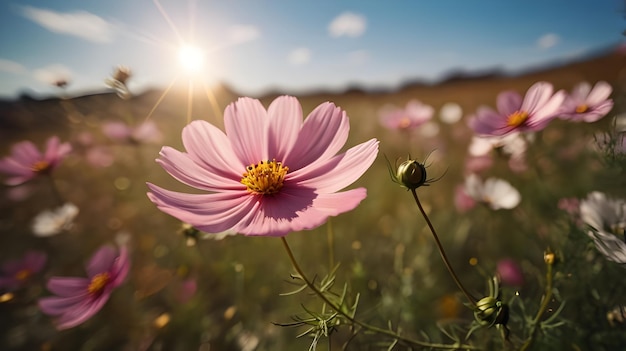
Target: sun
{"points": [[191, 58]]}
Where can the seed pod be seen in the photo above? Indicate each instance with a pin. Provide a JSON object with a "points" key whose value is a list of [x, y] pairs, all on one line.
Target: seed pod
{"points": [[411, 174]]}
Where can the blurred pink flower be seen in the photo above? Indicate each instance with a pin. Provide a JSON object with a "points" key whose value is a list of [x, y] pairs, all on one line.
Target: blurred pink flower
{"points": [[585, 104], [26, 162], [186, 289], [510, 272], [15, 273], [269, 174], [462, 201], [532, 113], [146, 132], [80, 298], [478, 164], [413, 115], [495, 193]]}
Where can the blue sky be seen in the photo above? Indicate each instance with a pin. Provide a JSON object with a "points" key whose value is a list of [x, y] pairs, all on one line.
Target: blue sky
{"points": [[255, 45]]}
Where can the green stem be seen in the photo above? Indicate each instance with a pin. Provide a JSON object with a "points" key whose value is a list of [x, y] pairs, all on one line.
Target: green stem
{"points": [[364, 325], [471, 299], [542, 309]]}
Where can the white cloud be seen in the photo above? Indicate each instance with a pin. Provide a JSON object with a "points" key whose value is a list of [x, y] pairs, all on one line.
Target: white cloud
{"points": [[11, 66], [81, 24], [243, 33], [548, 40], [347, 24], [299, 56], [52, 73]]}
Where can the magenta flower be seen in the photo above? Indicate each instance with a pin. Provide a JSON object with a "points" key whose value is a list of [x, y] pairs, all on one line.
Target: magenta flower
{"points": [[15, 273], [413, 115], [585, 104], [269, 174], [532, 113], [510, 272], [146, 132], [80, 298], [26, 162]]}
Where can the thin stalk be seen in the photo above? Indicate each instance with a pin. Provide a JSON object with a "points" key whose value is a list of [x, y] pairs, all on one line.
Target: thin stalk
{"points": [[471, 299], [364, 325], [542, 309]]}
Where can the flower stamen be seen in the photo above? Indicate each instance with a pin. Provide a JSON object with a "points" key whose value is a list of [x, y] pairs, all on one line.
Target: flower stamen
{"points": [[265, 178], [582, 108], [23, 274], [517, 118], [98, 282], [40, 166]]}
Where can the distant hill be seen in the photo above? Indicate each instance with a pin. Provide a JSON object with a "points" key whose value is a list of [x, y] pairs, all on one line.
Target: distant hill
{"points": [[469, 89]]}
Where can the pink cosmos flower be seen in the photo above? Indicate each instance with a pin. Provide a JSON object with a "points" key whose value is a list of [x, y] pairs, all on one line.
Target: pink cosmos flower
{"points": [[532, 113], [510, 272], [413, 115], [146, 132], [15, 273], [585, 104], [26, 162], [269, 174], [80, 298]]}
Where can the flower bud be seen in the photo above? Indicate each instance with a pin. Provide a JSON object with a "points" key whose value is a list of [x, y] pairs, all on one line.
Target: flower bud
{"points": [[490, 311], [411, 174], [121, 74], [549, 257]]}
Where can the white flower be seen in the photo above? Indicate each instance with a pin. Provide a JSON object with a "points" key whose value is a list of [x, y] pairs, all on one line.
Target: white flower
{"points": [[607, 219], [495, 193], [450, 113], [51, 222]]}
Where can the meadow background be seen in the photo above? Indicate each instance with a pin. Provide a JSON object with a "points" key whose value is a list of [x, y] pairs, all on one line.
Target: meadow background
{"points": [[384, 248]]}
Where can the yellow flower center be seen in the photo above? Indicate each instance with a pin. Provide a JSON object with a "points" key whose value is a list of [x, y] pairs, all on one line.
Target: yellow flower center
{"points": [[98, 282], [40, 166], [265, 178], [23, 274], [582, 108], [405, 122], [517, 118]]}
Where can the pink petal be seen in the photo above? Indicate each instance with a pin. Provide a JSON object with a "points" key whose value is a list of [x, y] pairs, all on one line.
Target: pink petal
{"points": [[536, 97], [13, 167], [58, 305], [545, 113], [81, 313], [120, 268], [35, 260], [52, 147], [209, 147], [212, 213], [598, 112], [338, 172], [246, 125], [600, 92], [101, 261], [488, 122], [285, 121], [581, 91], [509, 102], [293, 211], [323, 134], [26, 152], [180, 166], [68, 286], [277, 215]]}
